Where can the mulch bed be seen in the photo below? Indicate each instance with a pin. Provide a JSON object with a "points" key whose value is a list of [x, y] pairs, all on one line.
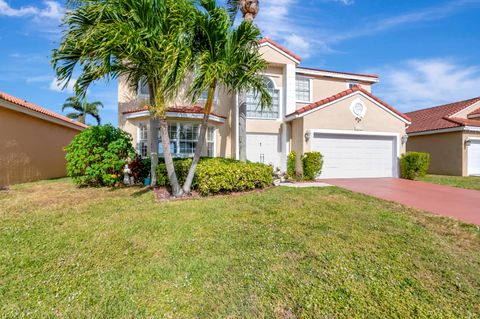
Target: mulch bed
{"points": [[162, 194]]}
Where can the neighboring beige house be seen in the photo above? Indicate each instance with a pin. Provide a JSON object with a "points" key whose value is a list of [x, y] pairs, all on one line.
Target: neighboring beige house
{"points": [[451, 134], [312, 110], [32, 141]]}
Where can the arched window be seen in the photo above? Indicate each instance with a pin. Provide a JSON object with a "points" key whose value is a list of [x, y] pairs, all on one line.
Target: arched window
{"points": [[253, 103]]}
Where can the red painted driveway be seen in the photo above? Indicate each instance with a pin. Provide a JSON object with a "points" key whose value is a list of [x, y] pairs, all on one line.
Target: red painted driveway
{"points": [[448, 201]]}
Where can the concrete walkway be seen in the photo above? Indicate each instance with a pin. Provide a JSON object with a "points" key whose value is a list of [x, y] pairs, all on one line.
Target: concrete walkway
{"points": [[442, 200], [306, 184]]}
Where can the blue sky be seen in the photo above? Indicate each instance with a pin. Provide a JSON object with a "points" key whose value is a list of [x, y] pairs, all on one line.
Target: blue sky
{"points": [[425, 52]]}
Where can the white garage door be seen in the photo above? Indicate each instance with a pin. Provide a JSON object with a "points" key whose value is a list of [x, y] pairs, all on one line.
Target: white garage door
{"points": [[356, 156], [474, 158], [263, 148]]}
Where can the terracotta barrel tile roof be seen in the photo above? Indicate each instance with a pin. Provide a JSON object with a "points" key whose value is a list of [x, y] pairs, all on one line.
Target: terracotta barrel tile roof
{"points": [[195, 109], [440, 117], [345, 93], [33, 107]]}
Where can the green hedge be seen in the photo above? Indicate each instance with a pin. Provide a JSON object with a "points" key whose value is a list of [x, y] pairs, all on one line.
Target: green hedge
{"points": [[292, 164], [219, 175], [312, 163], [414, 165], [97, 155]]}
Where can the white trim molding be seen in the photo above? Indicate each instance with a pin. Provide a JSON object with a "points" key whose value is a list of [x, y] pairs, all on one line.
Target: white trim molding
{"points": [[332, 74], [447, 130], [192, 116], [295, 116]]}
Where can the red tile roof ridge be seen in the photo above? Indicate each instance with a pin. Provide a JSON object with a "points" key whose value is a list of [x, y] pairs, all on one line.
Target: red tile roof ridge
{"points": [[280, 47], [36, 108], [467, 102], [339, 95]]}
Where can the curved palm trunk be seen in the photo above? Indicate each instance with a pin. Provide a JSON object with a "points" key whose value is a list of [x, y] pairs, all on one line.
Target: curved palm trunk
{"points": [[187, 186], [172, 176]]}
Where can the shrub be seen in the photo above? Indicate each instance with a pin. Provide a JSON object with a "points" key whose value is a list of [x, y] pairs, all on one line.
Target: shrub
{"points": [[414, 164], [312, 165], [219, 175], [96, 156], [291, 164], [140, 168]]}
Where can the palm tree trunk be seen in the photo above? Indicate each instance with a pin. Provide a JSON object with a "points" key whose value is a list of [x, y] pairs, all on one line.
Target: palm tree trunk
{"points": [[167, 155], [187, 186], [172, 176]]}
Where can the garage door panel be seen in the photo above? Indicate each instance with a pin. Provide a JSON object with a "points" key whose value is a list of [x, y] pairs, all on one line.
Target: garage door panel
{"points": [[355, 156], [474, 158]]}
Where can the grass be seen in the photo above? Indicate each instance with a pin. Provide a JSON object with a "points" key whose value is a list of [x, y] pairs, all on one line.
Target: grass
{"points": [[467, 182], [283, 253]]}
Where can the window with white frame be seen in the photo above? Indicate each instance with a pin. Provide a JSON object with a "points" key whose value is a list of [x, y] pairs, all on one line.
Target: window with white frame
{"points": [[204, 96], [302, 89], [143, 87], [253, 103], [184, 139], [142, 147], [352, 84]]}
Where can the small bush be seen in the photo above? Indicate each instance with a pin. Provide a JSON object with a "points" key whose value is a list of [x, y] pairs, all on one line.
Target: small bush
{"points": [[414, 165], [219, 175], [312, 165], [291, 164], [140, 168], [96, 156]]}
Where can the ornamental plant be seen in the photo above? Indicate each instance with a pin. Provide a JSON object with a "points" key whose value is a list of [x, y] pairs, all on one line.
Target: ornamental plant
{"points": [[312, 163], [96, 156], [291, 164], [414, 165]]}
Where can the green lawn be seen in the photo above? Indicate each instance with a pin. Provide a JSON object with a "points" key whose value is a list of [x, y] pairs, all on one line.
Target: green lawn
{"points": [[468, 182], [283, 253]]}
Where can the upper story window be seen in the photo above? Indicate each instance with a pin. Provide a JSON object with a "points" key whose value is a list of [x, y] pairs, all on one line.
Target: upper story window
{"points": [[253, 103], [143, 87], [302, 89], [352, 84], [204, 95], [142, 146]]}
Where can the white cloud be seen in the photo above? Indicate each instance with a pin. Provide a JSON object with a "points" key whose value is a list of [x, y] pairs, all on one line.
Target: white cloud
{"points": [[300, 45], [417, 84], [57, 86], [344, 2], [52, 10]]}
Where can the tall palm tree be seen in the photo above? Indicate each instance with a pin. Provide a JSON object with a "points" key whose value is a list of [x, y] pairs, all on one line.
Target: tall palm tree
{"points": [[249, 9], [82, 109], [135, 39], [226, 57]]}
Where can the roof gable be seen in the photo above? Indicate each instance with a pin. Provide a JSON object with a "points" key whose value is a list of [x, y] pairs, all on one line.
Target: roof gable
{"points": [[40, 112], [442, 117], [345, 94], [267, 42]]}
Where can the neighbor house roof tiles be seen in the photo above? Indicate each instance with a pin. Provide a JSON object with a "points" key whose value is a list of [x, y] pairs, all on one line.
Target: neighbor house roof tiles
{"points": [[441, 117], [338, 96], [40, 110], [195, 109]]}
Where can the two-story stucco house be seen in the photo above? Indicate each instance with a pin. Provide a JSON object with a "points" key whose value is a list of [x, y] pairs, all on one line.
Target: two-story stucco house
{"points": [[334, 113]]}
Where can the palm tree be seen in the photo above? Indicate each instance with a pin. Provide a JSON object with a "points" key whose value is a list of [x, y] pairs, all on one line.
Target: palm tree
{"points": [[147, 39], [226, 57], [249, 9], [82, 109]]}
